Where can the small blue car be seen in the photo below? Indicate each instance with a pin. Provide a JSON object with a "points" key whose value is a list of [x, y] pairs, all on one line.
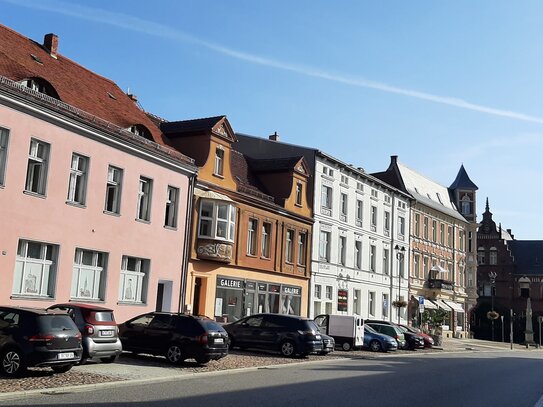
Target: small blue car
{"points": [[378, 342]]}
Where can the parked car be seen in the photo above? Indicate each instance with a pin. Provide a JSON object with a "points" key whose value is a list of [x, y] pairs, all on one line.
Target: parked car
{"points": [[378, 342], [37, 337], [328, 344], [178, 337], [413, 341], [289, 334], [98, 329], [428, 340], [390, 329]]}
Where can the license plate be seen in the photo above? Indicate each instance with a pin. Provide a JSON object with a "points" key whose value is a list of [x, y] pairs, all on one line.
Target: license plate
{"points": [[106, 333], [66, 355], [219, 340]]}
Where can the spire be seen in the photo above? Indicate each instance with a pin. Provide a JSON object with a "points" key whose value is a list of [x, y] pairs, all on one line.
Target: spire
{"points": [[487, 208], [463, 181]]}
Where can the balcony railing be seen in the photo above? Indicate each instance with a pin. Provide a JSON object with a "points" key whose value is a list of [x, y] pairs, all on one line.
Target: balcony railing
{"points": [[440, 284]]}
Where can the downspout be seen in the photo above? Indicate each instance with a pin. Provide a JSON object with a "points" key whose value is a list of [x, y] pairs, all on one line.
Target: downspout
{"points": [[392, 256], [187, 246]]}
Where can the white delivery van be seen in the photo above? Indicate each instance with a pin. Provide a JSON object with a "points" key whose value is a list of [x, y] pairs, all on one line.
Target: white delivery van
{"points": [[347, 330]]}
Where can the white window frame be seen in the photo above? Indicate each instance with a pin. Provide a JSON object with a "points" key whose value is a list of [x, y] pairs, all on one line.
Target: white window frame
{"points": [[318, 291], [373, 252], [134, 282], [218, 168], [344, 203], [299, 190], [373, 218], [329, 293], [302, 248], [358, 254], [266, 239], [38, 161], [359, 212], [4, 140], [386, 222], [385, 306], [326, 197], [228, 223], [145, 192], [172, 202], [77, 185], [35, 276], [401, 227], [342, 255], [82, 288], [252, 230], [386, 260], [324, 246], [493, 256], [289, 246], [371, 303], [113, 190]]}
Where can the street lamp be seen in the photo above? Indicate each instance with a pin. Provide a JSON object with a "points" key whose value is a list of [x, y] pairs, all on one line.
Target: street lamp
{"points": [[492, 275], [400, 252]]}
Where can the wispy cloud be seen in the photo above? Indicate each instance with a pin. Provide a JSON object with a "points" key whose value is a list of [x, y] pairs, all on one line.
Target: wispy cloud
{"points": [[143, 26], [505, 145]]}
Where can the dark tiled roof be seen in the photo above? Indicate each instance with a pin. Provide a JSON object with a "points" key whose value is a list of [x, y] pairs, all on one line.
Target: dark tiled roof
{"points": [[191, 126], [21, 58], [276, 164], [463, 181], [528, 256], [245, 180]]}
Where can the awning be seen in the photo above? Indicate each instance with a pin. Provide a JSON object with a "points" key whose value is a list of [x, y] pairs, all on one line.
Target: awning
{"points": [[438, 268], [429, 304], [455, 306], [211, 195], [442, 304]]}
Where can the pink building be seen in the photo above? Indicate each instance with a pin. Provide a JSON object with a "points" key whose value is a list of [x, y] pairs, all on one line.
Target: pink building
{"points": [[93, 203]]}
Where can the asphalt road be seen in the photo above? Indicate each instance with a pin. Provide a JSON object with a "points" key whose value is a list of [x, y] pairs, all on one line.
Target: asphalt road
{"points": [[494, 379]]}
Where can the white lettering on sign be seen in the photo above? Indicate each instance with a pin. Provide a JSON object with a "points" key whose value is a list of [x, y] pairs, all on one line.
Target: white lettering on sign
{"points": [[224, 282], [291, 290]]}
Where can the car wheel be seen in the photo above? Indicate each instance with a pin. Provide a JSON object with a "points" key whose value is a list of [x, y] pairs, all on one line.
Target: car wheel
{"points": [[375, 346], [346, 346], [174, 354], [12, 363], [288, 349], [61, 368], [110, 359]]}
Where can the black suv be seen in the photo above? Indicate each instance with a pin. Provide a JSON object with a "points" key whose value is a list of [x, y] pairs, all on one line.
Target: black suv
{"points": [[176, 336], [36, 337], [288, 334]]}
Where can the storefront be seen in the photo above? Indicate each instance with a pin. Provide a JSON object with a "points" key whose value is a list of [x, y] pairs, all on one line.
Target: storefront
{"points": [[237, 298]]}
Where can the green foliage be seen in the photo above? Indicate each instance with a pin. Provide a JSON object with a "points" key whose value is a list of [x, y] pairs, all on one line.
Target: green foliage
{"points": [[434, 319]]}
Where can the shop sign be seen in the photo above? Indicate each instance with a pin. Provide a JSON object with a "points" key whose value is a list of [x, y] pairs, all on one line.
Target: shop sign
{"points": [[275, 288], [292, 290], [262, 287], [342, 300], [250, 285], [229, 282]]}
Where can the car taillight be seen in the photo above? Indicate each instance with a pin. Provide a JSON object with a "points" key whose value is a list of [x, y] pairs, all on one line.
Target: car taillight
{"points": [[88, 330], [203, 339], [41, 338]]}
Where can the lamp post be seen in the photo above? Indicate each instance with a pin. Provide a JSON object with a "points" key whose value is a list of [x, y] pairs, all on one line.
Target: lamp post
{"points": [[400, 252], [492, 275]]}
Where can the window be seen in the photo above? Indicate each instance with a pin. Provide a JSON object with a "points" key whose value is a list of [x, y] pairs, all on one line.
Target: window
{"points": [[373, 218], [252, 227], [329, 292], [466, 205], [385, 306], [4, 136], [219, 161], [359, 186], [113, 189], [386, 260], [299, 189], [328, 171], [324, 246], [302, 248], [417, 224], [342, 250], [89, 277], [434, 231], [372, 257], [318, 291], [266, 239], [461, 237], [36, 173], [416, 265], [170, 216], [386, 222], [374, 193], [134, 279], [426, 267], [401, 266], [450, 236], [387, 198], [144, 199], [217, 220], [442, 233], [401, 227], [356, 302], [358, 254], [344, 179], [326, 197], [359, 212], [344, 205], [289, 249], [426, 228], [371, 303], [77, 186], [493, 259], [35, 269]]}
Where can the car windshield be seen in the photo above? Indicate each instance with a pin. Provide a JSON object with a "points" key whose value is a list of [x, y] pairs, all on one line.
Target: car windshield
{"points": [[104, 316]]}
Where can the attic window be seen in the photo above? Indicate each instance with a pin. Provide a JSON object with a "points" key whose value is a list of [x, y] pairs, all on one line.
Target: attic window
{"points": [[142, 131], [40, 85], [111, 95], [36, 58], [439, 198]]}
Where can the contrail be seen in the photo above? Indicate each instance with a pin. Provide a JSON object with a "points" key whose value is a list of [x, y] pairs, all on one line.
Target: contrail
{"points": [[136, 24]]}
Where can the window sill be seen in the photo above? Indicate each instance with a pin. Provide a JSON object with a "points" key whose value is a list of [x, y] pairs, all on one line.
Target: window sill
{"points": [[139, 304], [148, 222], [298, 205], [265, 258], [111, 213], [76, 204], [218, 176], [250, 255], [91, 300], [34, 194], [172, 228], [30, 297]]}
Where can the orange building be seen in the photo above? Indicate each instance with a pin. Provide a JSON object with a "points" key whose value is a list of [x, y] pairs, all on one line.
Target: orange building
{"points": [[251, 226]]}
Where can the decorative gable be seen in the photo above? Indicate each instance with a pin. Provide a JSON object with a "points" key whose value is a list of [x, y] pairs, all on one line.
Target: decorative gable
{"points": [[223, 129]]}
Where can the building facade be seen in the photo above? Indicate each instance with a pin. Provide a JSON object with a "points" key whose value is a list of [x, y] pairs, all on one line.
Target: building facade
{"points": [[90, 196], [251, 226]]}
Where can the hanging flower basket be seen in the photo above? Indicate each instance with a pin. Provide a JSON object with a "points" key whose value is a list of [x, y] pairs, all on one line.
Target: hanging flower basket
{"points": [[399, 303], [492, 315]]}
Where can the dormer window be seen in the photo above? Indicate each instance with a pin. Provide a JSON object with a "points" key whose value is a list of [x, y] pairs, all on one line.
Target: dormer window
{"points": [[219, 161], [40, 85], [299, 189], [466, 205], [141, 130]]}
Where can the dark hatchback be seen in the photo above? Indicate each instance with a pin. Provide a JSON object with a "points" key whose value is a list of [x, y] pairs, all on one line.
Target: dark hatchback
{"points": [[176, 336], [36, 337], [289, 334]]}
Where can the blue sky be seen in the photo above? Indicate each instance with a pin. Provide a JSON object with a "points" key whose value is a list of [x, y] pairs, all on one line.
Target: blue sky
{"points": [[439, 84]]}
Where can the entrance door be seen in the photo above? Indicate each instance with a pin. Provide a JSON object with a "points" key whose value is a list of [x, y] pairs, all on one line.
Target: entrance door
{"points": [[159, 297], [197, 293], [164, 295]]}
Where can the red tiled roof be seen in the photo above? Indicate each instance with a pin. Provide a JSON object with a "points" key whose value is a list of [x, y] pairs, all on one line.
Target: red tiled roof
{"points": [[75, 85]]}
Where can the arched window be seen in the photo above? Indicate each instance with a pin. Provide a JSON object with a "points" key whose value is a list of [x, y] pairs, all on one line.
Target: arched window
{"points": [[493, 259], [141, 130], [466, 205], [40, 85], [481, 256]]}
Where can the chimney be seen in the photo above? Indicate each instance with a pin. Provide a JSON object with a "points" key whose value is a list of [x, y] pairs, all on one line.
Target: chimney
{"points": [[132, 97], [274, 137], [50, 42]]}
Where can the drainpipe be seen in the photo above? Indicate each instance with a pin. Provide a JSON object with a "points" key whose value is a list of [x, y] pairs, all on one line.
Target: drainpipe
{"points": [[392, 256], [187, 245]]}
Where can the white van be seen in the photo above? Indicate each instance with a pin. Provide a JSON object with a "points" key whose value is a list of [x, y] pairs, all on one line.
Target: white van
{"points": [[347, 330]]}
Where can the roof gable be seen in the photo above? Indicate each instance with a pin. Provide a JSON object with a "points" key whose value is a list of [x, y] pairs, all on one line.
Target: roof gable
{"points": [[216, 125], [463, 181]]}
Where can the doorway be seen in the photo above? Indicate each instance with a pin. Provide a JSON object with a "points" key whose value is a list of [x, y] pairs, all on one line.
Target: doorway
{"points": [[164, 296]]}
